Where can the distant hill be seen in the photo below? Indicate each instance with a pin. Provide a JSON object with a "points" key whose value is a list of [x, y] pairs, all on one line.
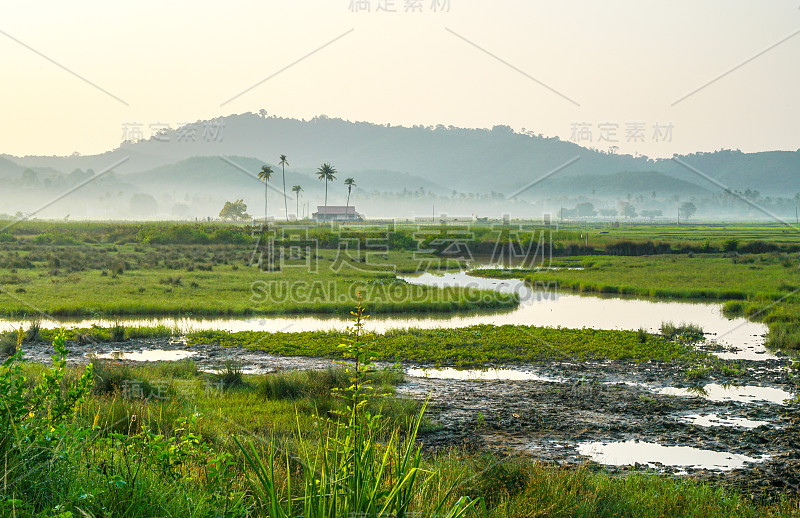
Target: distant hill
{"points": [[395, 157], [631, 182]]}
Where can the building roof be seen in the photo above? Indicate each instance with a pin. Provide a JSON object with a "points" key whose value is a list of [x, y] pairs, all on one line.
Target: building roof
{"points": [[336, 209]]}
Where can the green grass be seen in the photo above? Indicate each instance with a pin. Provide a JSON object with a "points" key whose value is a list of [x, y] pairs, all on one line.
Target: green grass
{"points": [[178, 456], [469, 346], [672, 276], [88, 269], [761, 287], [220, 281]]}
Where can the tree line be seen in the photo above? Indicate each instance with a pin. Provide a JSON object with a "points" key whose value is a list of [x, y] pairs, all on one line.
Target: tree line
{"points": [[237, 210]]}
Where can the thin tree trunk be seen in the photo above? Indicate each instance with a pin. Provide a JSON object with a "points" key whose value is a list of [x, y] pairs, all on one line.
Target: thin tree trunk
{"points": [[297, 206], [265, 203], [347, 205], [285, 207], [325, 215]]}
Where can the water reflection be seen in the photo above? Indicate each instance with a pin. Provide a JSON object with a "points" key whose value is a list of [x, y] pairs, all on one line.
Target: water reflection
{"points": [[631, 452], [740, 394], [152, 355], [710, 420], [540, 306]]}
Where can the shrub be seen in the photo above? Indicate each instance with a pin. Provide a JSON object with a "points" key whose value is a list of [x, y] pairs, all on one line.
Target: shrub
{"points": [[231, 374], [730, 244], [10, 342], [758, 247], [32, 334], [117, 333], [690, 332]]}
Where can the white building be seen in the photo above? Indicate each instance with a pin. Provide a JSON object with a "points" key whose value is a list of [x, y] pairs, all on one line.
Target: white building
{"points": [[337, 213]]}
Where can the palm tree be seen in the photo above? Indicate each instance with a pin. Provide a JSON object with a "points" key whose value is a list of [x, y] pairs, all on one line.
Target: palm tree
{"points": [[296, 190], [350, 183], [264, 175], [283, 163], [326, 172]]}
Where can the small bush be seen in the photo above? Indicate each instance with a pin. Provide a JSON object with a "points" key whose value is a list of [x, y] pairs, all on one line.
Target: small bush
{"points": [[758, 247], [32, 334], [9, 342], [733, 308], [730, 244], [231, 374], [684, 331], [117, 333], [109, 377]]}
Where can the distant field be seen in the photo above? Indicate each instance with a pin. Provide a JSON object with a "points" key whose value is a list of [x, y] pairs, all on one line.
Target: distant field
{"points": [[91, 280], [108, 269], [762, 287]]}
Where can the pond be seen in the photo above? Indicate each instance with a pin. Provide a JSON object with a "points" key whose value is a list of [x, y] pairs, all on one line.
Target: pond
{"points": [[474, 374], [625, 453], [739, 394], [147, 355], [539, 306], [710, 420]]}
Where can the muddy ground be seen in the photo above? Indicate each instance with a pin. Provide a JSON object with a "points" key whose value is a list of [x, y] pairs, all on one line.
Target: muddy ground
{"points": [[589, 401]]}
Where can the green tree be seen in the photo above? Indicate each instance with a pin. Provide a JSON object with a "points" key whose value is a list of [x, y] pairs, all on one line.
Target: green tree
{"points": [[235, 211], [687, 209], [283, 163], [29, 177], [328, 173], [297, 190], [628, 210], [585, 210], [143, 204], [350, 183], [652, 214], [265, 175]]}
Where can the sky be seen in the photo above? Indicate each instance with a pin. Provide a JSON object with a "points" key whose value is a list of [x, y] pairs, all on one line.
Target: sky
{"points": [[638, 77]]}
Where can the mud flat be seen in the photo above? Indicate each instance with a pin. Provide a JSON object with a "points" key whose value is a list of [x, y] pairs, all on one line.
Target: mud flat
{"points": [[619, 414]]}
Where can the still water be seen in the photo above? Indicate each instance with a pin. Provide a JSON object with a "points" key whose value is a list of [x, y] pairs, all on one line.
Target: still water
{"points": [[539, 306]]}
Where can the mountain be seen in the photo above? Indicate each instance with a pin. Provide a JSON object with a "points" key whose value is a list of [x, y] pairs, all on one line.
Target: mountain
{"points": [[190, 172], [465, 160], [609, 185]]}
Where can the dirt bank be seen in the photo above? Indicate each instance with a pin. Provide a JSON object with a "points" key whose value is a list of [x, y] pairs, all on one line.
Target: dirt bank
{"points": [[576, 403]]}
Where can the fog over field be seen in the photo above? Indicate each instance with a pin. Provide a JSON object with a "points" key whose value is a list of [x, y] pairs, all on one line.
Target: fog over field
{"points": [[400, 172], [626, 110]]}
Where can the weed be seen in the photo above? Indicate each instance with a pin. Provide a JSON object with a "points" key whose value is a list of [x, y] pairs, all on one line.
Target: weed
{"points": [[32, 334], [684, 331], [118, 333], [231, 374]]}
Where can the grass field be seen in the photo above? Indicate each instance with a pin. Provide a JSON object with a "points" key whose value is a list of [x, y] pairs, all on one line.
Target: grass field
{"points": [[764, 287], [169, 440], [233, 452], [471, 346], [108, 269], [219, 280]]}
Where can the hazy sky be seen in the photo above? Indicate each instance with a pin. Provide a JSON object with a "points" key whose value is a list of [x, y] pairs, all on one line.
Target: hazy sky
{"points": [[552, 65]]}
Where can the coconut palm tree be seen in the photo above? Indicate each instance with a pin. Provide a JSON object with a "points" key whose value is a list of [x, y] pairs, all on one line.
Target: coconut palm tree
{"points": [[328, 173], [264, 175], [297, 190], [350, 183], [283, 163]]}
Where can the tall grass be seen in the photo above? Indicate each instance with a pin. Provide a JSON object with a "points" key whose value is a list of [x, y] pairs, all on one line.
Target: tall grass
{"points": [[349, 472], [132, 458], [683, 330]]}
